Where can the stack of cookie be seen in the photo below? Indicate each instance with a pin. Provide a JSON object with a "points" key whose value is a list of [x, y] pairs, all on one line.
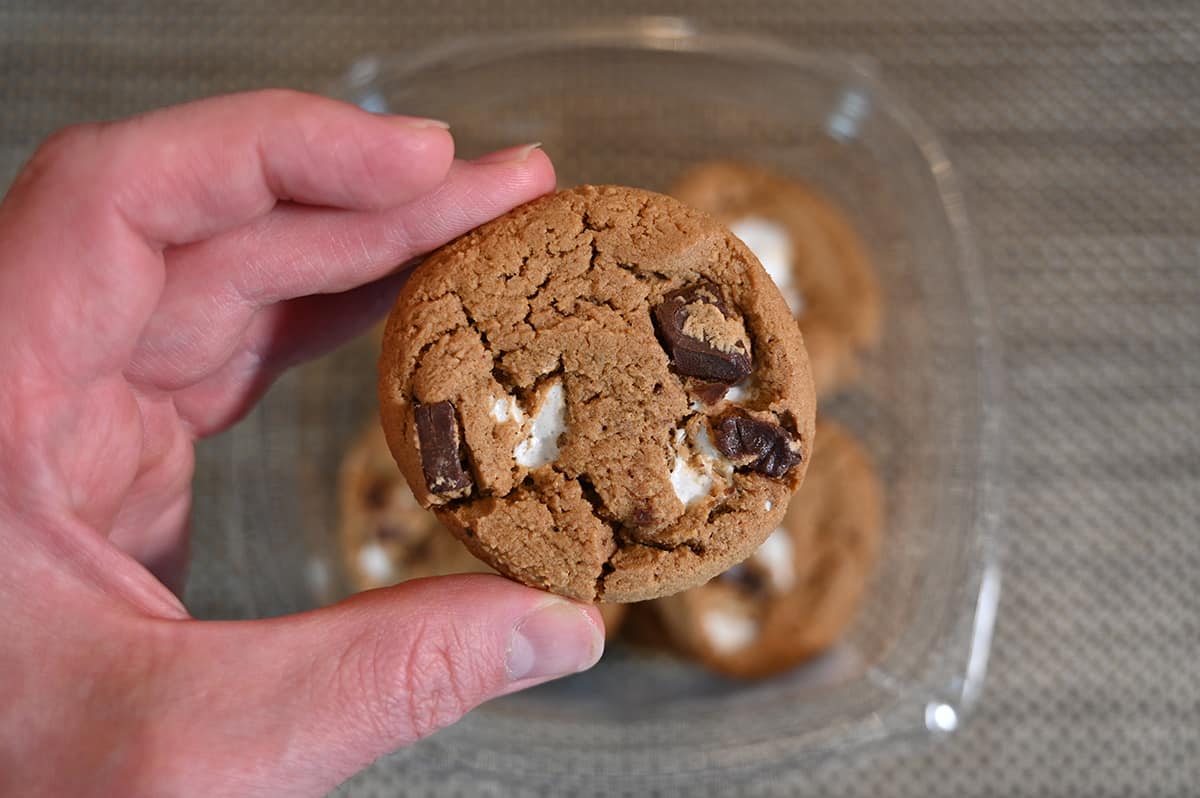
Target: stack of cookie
{"points": [[602, 394], [800, 590]]}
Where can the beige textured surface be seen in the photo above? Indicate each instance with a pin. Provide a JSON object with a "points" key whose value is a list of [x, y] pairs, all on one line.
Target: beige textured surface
{"points": [[561, 292], [1074, 125]]}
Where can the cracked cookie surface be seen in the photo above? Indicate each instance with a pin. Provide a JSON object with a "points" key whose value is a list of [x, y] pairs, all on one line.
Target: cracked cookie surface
{"points": [[560, 387]]}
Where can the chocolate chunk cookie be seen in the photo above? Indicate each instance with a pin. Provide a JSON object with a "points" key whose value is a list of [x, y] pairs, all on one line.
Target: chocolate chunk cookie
{"points": [[601, 393], [811, 251], [795, 596], [386, 537]]}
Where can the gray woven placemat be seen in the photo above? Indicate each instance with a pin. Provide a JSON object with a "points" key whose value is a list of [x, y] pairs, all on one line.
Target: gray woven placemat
{"points": [[1075, 125]]}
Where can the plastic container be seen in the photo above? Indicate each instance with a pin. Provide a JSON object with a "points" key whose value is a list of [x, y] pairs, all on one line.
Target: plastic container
{"points": [[636, 103]]}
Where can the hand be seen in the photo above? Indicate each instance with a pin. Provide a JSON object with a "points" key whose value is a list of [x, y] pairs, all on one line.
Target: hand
{"points": [[155, 275]]}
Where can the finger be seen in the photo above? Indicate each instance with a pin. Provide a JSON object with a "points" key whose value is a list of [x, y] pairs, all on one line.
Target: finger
{"points": [[295, 705], [162, 547], [152, 523], [184, 173], [215, 288], [306, 251], [84, 224], [279, 337]]}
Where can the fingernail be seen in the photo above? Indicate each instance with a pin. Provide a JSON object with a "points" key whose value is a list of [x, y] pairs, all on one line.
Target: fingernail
{"points": [[518, 154], [405, 121], [556, 639]]}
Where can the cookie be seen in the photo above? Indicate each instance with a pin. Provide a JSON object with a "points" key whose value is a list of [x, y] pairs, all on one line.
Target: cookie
{"points": [[601, 393], [387, 537], [812, 252], [796, 595]]}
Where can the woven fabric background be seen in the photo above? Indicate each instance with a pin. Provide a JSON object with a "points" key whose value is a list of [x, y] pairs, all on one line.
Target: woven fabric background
{"points": [[1076, 127]]}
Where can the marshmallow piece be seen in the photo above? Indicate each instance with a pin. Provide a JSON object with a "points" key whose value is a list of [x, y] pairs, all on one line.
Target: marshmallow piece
{"points": [[373, 560], [770, 243], [775, 555], [540, 445], [738, 393], [690, 484], [506, 409], [710, 456], [692, 475], [727, 630]]}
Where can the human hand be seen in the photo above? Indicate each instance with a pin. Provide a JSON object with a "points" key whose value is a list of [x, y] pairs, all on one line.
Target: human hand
{"points": [[155, 275]]}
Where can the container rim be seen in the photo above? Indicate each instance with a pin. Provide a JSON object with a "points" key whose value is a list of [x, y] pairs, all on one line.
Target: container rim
{"points": [[953, 677]]}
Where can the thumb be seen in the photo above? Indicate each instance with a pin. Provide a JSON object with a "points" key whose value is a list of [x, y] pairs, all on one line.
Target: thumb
{"points": [[296, 705]]}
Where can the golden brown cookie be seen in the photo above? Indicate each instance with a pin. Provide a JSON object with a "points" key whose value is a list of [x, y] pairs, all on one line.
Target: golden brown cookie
{"points": [[795, 596], [553, 384], [386, 537], [812, 252]]}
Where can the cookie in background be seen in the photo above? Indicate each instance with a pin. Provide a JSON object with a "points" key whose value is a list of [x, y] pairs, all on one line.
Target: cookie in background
{"points": [[811, 251], [800, 590]]}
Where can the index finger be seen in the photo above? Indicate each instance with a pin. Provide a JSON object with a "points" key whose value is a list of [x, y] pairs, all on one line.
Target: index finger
{"points": [[85, 224], [183, 173]]}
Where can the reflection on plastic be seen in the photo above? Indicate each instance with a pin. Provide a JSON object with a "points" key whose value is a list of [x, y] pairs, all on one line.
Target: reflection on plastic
{"points": [[844, 122], [941, 717]]}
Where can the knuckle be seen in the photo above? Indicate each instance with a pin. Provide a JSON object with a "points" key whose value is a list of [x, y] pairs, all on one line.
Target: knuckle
{"points": [[62, 143], [61, 149], [416, 683], [439, 682]]}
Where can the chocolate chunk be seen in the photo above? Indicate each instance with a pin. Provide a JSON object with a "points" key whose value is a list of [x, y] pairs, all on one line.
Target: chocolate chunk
{"points": [[409, 544], [746, 578], [386, 533], [765, 447], [419, 549], [696, 357], [379, 493], [441, 450], [708, 393]]}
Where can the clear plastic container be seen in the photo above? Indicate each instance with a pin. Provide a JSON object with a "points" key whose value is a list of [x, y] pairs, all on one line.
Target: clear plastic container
{"points": [[636, 103]]}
